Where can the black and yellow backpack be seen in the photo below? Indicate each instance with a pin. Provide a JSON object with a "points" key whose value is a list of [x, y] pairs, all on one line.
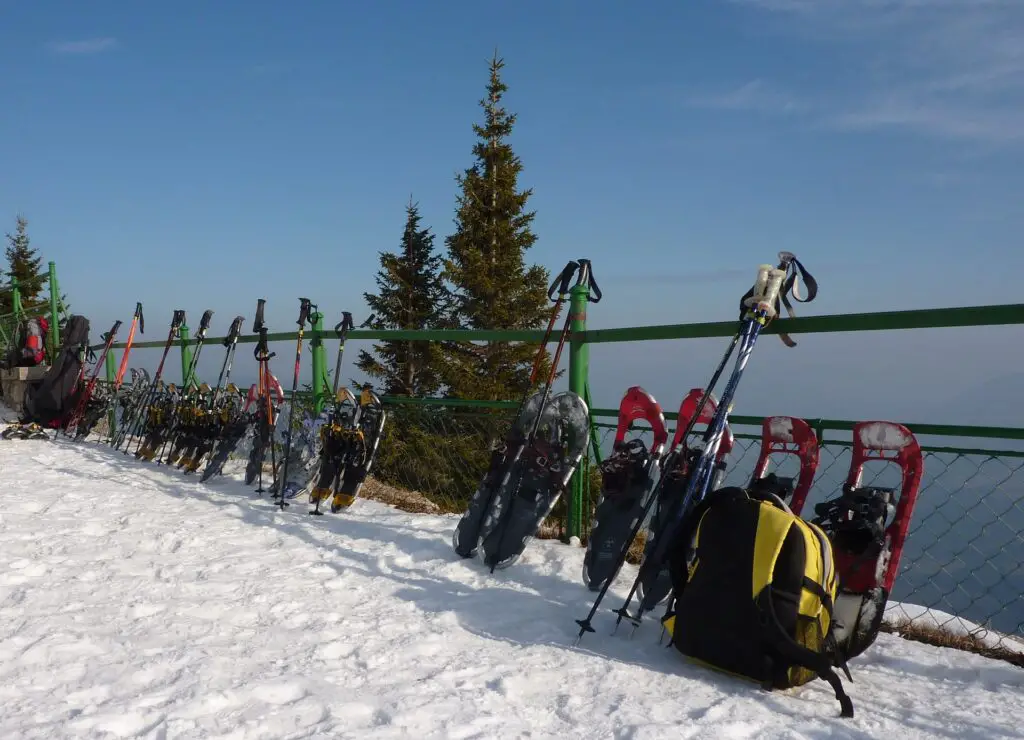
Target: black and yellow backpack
{"points": [[754, 588]]}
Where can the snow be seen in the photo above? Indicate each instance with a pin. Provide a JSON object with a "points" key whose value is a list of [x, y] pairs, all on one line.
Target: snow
{"points": [[136, 602]]}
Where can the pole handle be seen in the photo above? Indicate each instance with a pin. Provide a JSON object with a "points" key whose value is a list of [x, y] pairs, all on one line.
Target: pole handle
{"points": [[560, 286], [257, 323]]}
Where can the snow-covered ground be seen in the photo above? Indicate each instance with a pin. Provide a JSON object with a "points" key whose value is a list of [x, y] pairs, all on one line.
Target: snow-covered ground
{"points": [[136, 602]]}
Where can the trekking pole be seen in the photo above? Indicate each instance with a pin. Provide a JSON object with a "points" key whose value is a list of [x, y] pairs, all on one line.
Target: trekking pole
{"points": [[265, 410], [189, 379], [758, 307], [305, 306], [668, 464], [342, 328], [138, 322], [585, 277], [86, 395], [467, 531], [138, 411], [230, 342]]}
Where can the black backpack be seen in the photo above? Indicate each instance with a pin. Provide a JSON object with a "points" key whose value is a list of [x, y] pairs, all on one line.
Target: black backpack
{"points": [[54, 397], [754, 587]]}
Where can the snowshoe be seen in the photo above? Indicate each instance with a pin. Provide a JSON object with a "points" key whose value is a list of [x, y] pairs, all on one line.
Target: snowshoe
{"points": [[537, 480], [24, 431], [787, 435], [868, 526], [370, 426], [466, 538], [627, 478], [654, 588], [336, 436], [231, 434]]}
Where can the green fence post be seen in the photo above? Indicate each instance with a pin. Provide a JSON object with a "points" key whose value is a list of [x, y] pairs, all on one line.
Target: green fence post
{"points": [[54, 335], [16, 298], [186, 354], [578, 372], [111, 377], [319, 362]]}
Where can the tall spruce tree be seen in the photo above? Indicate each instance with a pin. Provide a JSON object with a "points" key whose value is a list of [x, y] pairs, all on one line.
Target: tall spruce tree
{"points": [[24, 263], [493, 288], [411, 295]]}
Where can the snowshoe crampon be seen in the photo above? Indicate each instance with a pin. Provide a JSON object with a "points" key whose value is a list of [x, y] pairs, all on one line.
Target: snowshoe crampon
{"points": [[536, 480], [868, 526], [627, 478]]}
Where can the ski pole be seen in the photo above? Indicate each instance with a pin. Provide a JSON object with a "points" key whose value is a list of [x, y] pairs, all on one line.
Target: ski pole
{"points": [[138, 412], [342, 328], [304, 310], [668, 463], [265, 409], [759, 308], [83, 399], [585, 277], [186, 382]]}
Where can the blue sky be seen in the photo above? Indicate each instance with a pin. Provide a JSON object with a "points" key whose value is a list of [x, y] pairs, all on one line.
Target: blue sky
{"points": [[202, 155]]}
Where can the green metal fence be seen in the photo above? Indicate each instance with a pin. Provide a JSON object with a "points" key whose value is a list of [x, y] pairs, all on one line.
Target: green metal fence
{"points": [[962, 559]]}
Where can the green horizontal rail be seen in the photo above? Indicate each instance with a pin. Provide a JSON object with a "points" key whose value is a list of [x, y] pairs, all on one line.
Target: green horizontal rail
{"points": [[928, 318], [843, 425], [842, 443]]}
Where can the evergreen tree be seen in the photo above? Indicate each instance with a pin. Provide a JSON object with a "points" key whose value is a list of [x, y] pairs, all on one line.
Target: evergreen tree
{"points": [[411, 295], [493, 287], [24, 263]]}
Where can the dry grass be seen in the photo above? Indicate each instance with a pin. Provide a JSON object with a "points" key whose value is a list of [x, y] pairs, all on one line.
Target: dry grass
{"points": [[939, 637], [413, 502]]}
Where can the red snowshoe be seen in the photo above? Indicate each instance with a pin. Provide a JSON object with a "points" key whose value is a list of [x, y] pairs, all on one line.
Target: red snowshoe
{"points": [[868, 526]]}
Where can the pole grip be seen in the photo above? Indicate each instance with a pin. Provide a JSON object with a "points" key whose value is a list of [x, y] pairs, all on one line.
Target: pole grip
{"points": [[771, 291], [257, 323], [234, 331], [304, 306], [204, 323], [561, 284], [177, 319], [140, 317], [344, 326]]}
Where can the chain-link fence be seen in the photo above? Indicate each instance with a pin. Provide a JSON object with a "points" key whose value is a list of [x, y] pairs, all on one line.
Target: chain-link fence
{"points": [[962, 568]]}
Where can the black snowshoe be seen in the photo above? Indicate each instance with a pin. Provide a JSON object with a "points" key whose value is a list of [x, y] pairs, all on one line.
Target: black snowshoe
{"points": [[536, 480], [627, 479]]}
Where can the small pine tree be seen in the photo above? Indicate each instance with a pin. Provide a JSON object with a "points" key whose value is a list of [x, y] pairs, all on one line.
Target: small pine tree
{"points": [[411, 295], [24, 263], [493, 287]]}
